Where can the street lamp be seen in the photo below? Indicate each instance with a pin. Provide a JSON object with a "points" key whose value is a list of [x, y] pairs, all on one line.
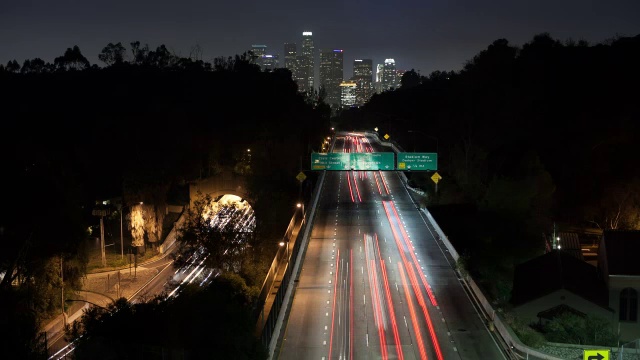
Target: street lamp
{"points": [[282, 244], [429, 136], [301, 206]]}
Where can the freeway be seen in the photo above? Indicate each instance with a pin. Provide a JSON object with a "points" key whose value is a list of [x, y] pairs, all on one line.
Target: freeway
{"points": [[374, 282]]}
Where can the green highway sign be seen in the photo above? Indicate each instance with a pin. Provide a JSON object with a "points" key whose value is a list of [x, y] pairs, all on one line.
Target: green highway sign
{"points": [[417, 161], [353, 161]]}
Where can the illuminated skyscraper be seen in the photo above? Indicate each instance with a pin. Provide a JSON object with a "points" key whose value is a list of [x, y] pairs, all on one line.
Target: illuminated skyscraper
{"points": [[389, 75], [257, 51], [290, 53], [348, 90], [379, 72], [363, 76], [399, 74], [331, 75], [307, 63], [270, 62]]}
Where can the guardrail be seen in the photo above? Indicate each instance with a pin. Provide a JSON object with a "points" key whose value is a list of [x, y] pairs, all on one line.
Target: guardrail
{"points": [[275, 318], [267, 285], [170, 239]]}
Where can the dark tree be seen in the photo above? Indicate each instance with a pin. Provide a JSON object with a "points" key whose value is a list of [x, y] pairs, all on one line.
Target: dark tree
{"points": [[112, 54], [72, 60], [410, 79]]}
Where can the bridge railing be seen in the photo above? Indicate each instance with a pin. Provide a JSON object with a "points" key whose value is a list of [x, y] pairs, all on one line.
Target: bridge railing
{"points": [[272, 323], [267, 285]]}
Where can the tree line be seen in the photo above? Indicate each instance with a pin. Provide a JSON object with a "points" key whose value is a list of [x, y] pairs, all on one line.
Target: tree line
{"points": [[140, 127]]}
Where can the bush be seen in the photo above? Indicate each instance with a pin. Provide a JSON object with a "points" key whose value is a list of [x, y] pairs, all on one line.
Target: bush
{"points": [[524, 332]]}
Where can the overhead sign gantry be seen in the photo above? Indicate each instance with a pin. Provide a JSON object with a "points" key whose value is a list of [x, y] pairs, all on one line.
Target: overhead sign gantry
{"points": [[375, 161]]}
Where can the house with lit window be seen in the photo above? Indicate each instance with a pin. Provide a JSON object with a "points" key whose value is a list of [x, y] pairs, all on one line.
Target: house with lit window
{"points": [[619, 267]]}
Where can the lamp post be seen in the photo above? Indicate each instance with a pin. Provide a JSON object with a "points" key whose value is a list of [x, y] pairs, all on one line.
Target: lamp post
{"points": [[300, 205], [282, 244], [429, 136]]}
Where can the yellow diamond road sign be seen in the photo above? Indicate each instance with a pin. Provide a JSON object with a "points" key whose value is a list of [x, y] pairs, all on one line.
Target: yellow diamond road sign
{"points": [[596, 355], [301, 176], [386, 136], [436, 177]]}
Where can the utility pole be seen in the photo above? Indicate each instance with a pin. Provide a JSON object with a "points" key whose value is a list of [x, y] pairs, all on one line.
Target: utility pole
{"points": [[64, 318], [102, 213], [121, 234], [104, 257]]}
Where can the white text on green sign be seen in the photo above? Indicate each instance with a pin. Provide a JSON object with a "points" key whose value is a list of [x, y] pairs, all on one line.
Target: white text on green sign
{"points": [[353, 161], [417, 161]]}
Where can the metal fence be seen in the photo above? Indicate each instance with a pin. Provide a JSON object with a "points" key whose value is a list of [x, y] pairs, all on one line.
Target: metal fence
{"points": [[629, 351]]}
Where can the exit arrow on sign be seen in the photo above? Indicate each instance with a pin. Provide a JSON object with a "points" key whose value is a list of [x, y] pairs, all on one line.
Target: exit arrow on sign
{"points": [[596, 355]]}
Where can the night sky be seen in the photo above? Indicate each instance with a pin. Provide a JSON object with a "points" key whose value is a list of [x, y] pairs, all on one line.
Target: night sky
{"points": [[420, 34]]}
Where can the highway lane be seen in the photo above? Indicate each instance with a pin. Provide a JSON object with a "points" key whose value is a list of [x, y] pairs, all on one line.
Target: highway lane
{"points": [[374, 282]]}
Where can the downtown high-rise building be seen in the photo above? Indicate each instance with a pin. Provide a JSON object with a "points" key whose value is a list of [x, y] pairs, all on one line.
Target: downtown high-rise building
{"points": [[399, 75], [307, 63], [363, 77], [290, 53], [379, 76], [270, 62], [293, 61], [257, 51], [389, 75], [348, 94], [331, 75]]}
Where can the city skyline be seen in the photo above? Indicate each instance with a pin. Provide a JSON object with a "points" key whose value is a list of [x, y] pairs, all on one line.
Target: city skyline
{"points": [[422, 36]]}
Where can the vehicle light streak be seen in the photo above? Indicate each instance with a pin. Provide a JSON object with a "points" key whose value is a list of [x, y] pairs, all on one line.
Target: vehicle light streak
{"points": [[412, 251], [396, 334], [333, 310], [378, 308], [375, 297], [412, 312], [384, 182], [413, 279], [187, 278], [351, 310], [355, 183], [350, 189], [375, 176], [427, 317]]}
